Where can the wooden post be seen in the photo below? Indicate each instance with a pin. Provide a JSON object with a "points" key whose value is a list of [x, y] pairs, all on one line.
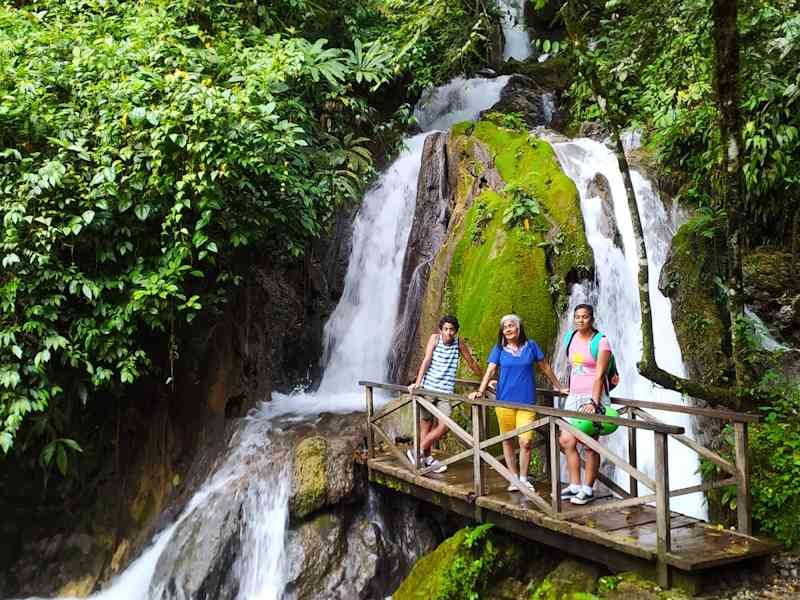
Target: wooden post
{"points": [[554, 466], [477, 463], [633, 484], [664, 534], [742, 479], [415, 417], [370, 413]]}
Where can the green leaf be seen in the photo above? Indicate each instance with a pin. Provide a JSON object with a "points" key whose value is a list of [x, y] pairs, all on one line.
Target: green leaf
{"points": [[10, 259], [142, 210], [88, 216], [61, 460]]}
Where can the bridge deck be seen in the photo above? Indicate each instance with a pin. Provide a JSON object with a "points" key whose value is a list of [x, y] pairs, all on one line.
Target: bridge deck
{"points": [[607, 536]]}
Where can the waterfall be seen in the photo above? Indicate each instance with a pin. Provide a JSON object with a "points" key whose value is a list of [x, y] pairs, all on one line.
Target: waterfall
{"points": [[518, 41], [356, 346], [615, 295]]}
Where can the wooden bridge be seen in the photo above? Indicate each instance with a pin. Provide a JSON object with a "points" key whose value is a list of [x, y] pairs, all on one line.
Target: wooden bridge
{"points": [[623, 529]]}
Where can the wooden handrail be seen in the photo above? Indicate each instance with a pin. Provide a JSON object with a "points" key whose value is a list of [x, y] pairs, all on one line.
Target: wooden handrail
{"points": [[539, 409], [713, 413]]}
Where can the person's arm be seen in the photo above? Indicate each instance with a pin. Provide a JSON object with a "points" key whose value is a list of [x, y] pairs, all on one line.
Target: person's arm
{"points": [[603, 358], [426, 362], [491, 369], [466, 352], [545, 368]]}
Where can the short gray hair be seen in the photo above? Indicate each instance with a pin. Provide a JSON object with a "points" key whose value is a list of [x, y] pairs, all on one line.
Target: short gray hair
{"points": [[510, 317]]}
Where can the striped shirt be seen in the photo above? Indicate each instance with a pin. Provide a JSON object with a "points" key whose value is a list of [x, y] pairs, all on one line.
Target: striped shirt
{"points": [[441, 373]]}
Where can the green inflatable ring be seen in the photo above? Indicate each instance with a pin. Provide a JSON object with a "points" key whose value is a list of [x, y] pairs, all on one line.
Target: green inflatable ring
{"points": [[592, 428]]}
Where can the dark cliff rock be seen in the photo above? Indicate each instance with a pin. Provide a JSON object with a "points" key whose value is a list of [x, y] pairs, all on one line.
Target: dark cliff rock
{"points": [[607, 223], [428, 232], [538, 104]]}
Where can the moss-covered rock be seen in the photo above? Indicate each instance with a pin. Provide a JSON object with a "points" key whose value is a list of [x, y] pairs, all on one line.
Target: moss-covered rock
{"points": [[630, 586], [308, 484], [522, 265], [468, 565], [570, 580], [700, 323]]}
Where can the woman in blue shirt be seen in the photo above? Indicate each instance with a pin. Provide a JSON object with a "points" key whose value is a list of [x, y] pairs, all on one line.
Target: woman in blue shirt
{"points": [[515, 355]]}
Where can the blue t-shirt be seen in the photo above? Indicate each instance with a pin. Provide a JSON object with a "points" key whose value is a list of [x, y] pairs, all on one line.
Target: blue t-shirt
{"points": [[516, 382]]}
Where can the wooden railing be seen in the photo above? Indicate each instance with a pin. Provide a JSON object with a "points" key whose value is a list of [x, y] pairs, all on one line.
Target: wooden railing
{"points": [[634, 416]]}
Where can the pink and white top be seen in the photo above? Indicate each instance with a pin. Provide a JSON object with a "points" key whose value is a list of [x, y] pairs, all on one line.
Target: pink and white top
{"points": [[583, 365]]}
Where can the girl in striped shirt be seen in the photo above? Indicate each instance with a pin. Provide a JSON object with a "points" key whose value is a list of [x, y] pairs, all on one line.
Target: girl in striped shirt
{"points": [[437, 373]]}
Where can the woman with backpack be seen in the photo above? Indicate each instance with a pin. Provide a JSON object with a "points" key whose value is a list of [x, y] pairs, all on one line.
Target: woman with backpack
{"points": [[589, 357]]}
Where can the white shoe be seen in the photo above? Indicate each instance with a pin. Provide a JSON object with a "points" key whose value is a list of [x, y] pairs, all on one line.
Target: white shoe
{"points": [[410, 455], [525, 483], [513, 487], [582, 497], [436, 466]]}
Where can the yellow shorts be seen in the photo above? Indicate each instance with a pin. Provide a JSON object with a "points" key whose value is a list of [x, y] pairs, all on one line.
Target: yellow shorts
{"points": [[512, 418]]}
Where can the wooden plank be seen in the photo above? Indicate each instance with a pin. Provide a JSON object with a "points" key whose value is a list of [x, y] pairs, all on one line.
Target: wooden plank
{"points": [[416, 450], [554, 466], [596, 507], [370, 433], [703, 487], [605, 452], [689, 442], [633, 458], [543, 410], [743, 511], [442, 484], [392, 448], [713, 413], [629, 517], [449, 460], [451, 425], [515, 432], [664, 533], [477, 463], [391, 406], [529, 493]]}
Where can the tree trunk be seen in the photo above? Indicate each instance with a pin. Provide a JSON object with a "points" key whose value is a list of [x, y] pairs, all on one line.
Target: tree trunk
{"points": [[647, 366], [726, 80]]}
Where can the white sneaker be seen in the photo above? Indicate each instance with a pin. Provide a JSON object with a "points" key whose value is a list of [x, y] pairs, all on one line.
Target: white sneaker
{"points": [[570, 491], [410, 455], [583, 496], [437, 467], [513, 487], [525, 483]]}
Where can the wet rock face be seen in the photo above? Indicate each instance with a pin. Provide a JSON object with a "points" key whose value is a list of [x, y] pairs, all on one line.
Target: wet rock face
{"points": [[344, 540], [771, 288], [607, 223], [428, 232], [538, 104], [362, 553]]}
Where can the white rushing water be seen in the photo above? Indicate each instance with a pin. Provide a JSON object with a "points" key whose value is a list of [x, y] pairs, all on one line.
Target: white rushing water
{"points": [[356, 346], [518, 40], [615, 297]]}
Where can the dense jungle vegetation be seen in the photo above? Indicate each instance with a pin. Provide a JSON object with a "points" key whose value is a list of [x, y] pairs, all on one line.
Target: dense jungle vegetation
{"points": [[149, 149], [658, 71]]}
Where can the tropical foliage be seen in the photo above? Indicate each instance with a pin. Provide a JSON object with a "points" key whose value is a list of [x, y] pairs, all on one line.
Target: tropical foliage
{"points": [[656, 62], [148, 149]]}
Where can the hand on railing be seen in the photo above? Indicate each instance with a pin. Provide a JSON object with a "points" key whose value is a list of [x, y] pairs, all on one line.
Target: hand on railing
{"points": [[413, 386]]}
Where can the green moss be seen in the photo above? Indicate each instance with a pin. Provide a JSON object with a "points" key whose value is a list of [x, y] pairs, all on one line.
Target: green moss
{"points": [[309, 490], [630, 586], [700, 328], [522, 269], [463, 566], [570, 580]]}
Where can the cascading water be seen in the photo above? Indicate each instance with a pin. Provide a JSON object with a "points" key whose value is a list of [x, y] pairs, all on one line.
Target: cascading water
{"points": [[356, 347], [615, 297], [518, 41]]}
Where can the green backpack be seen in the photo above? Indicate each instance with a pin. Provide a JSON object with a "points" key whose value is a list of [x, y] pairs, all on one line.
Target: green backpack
{"points": [[594, 348]]}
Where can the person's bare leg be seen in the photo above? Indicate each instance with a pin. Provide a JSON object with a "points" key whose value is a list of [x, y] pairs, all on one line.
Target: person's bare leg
{"points": [[430, 437], [592, 460], [424, 429], [524, 457], [569, 446], [508, 454]]}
